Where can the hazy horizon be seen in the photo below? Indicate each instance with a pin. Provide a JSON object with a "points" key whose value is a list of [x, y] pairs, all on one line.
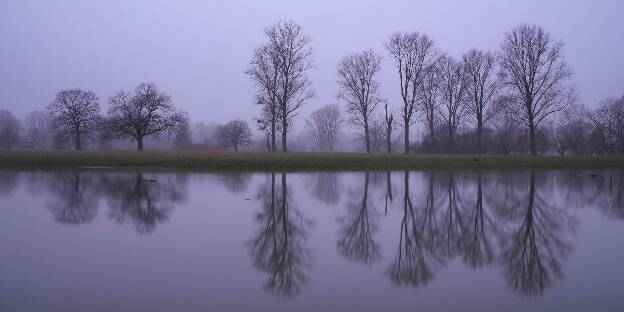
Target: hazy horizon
{"points": [[198, 51]]}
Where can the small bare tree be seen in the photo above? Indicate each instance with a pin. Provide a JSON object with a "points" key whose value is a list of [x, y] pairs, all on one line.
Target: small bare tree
{"points": [[414, 55], [481, 88], [571, 131], [76, 114], [359, 88], [235, 133], [37, 127], [533, 67], [147, 112], [9, 129], [325, 125], [280, 69], [452, 92]]}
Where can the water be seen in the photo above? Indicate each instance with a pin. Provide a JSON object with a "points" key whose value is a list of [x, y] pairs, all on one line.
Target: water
{"points": [[400, 241]]}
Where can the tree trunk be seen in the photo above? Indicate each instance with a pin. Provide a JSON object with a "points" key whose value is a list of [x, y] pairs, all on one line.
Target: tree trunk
{"points": [[450, 139], [273, 130], [389, 138], [432, 139], [78, 143], [367, 136], [284, 130], [406, 138], [532, 137], [479, 142], [140, 144], [235, 147]]}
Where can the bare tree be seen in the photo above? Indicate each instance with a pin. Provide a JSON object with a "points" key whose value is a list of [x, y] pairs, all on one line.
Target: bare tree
{"points": [[608, 122], [357, 235], [147, 112], [264, 71], [414, 55], [506, 124], [571, 132], [183, 134], [481, 88], [377, 130], [280, 70], [452, 92], [76, 114], [533, 67], [235, 133], [37, 126], [359, 88], [429, 98], [325, 124], [9, 129]]}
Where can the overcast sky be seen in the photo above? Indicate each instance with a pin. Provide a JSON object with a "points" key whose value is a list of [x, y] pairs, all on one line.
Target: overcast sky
{"points": [[198, 50]]}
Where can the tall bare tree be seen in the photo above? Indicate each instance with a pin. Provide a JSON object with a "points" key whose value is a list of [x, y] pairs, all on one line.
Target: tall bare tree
{"points": [[76, 114], [147, 112], [359, 89], [9, 129], [481, 88], [235, 133], [284, 82], [533, 67], [325, 124], [452, 92], [37, 126], [414, 55], [264, 72]]}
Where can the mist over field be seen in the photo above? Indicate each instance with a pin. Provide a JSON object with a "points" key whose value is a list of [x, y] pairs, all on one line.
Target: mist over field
{"points": [[198, 51]]}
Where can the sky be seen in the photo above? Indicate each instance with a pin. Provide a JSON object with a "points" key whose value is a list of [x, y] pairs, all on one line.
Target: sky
{"points": [[198, 51]]}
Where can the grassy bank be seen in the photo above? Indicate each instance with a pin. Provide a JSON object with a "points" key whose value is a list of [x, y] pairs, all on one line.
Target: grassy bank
{"points": [[198, 160]]}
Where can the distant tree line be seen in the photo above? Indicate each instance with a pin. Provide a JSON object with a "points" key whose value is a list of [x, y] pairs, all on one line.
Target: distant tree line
{"points": [[517, 100]]}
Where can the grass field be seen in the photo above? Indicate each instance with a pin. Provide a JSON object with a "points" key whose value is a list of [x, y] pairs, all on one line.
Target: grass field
{"points": [[248, 161]]}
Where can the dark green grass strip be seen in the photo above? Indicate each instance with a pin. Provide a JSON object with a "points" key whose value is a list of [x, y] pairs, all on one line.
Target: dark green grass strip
{"points": [[252, 161]]}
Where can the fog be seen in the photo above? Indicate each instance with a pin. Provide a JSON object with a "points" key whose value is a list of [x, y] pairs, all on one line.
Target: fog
{"points": [[198, 51]]}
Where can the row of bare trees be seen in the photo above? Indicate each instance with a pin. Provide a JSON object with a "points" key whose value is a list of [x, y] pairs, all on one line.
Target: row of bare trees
{"points": [[519, 99], [74, 116], [528, 79]]}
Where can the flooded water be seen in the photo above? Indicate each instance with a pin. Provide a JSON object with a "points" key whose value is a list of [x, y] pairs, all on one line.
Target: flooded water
{"points": [[378, 241]]}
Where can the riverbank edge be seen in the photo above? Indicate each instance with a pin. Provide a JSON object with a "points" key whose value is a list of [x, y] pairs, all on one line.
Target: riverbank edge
{"points": [[292, 161]]}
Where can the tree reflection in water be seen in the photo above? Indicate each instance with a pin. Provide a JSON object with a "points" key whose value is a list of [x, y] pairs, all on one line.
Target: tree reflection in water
{"points": [[74, 197], [611, 198], [235, 183], [520, 222], [325, 186], [533, 250], [8, 182], [479, 249], [279, 246], [359, 226], [415, 261], [145, 202]]}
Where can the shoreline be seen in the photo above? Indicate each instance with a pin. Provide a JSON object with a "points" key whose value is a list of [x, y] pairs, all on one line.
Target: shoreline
{"points": [[291, 161]]}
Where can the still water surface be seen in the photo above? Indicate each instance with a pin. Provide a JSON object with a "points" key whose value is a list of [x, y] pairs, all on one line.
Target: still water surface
{"points": [[391, 241]]}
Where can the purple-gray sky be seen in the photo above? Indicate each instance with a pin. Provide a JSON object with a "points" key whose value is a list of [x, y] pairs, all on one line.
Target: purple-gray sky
{"points": [[198, 50]]}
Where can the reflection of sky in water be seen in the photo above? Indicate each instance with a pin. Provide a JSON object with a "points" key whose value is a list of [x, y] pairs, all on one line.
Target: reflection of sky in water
{"points": [[178, 241]]}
